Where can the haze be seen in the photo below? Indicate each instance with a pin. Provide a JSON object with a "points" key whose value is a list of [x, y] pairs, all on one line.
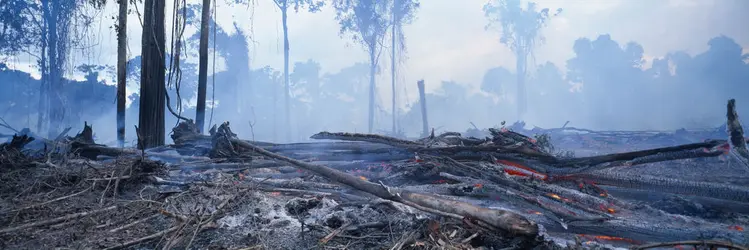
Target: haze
{"points": [[646, 65]]}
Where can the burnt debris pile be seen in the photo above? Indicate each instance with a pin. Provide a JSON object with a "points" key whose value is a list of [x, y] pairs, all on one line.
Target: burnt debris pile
{"points": [[496, 189]]}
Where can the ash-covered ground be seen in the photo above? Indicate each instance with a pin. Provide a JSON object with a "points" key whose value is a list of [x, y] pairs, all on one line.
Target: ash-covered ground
{"points": [[579, 190]]}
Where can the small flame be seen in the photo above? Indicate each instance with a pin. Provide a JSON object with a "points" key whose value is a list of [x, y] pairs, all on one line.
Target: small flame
{"points": [[611, 210], [737, 228], [363, 178], [478, 185]]}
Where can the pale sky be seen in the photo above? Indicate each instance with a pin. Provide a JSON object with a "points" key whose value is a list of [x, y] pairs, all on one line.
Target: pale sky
{"points": [[448, 40]]}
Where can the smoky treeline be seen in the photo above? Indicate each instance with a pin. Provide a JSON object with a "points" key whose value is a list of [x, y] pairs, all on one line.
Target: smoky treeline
{"points": [[607, 83]]}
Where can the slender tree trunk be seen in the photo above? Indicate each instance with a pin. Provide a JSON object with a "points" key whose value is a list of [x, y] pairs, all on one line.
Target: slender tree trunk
{"points": [[372, 68], [55, 76], [521, 94], [121, 71], [203, 70], [44, 70], [152, 89], [275, 109], [287, 90], [392, 74], [423, 102]]}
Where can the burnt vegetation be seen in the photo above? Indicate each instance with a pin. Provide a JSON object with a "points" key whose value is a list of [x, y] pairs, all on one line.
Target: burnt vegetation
{"points": [[267, 173]]}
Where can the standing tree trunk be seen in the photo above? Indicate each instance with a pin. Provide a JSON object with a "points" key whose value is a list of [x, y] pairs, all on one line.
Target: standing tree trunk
{"points": [[286, 69], [423, 101], [372, 68], [56, 111], [521, 94], [203, 70], [121, 71], [392, 74], [152, 88], [44, 72]]}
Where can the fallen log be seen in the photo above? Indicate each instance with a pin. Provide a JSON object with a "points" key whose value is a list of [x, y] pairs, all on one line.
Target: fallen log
{"points": [[505, 220]]}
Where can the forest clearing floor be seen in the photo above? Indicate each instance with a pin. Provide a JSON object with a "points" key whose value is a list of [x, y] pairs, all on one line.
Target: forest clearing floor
{"points": [[364, 191]]}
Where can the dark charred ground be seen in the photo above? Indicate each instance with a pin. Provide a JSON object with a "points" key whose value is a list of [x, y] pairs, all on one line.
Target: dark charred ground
{"points": [[53, 197]]}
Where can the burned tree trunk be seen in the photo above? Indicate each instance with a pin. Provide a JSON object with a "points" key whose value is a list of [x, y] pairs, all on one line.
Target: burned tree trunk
{"points": [[121, 71], [736, 133], [203, 70], [423, 101], [152, 88]]}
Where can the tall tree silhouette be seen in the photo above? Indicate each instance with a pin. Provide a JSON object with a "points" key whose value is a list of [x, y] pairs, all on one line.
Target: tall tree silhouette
{"points": [[152, 87], [121, 70], [520, 31], [283, 5], [402, 12], [367, 22]]}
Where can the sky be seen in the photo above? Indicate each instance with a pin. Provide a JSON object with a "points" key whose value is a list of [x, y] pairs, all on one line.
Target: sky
{"points": [[448, 40]]}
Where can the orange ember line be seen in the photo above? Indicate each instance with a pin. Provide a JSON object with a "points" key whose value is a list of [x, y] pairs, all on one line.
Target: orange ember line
{"points": [[363, 178], [609, 238], [520, 172], [737, 228]]}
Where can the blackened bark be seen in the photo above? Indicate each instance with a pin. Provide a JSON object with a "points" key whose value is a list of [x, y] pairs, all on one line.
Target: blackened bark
{"points": [[121, 71], [203, 70], [152, 88]]}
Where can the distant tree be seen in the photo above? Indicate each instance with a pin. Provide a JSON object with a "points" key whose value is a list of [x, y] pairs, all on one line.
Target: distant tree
{"points": [[306, 78], [402, 12], [610, 75], [152, 89], [520, 31], [495, 81], [283, 5], [366, 21]]}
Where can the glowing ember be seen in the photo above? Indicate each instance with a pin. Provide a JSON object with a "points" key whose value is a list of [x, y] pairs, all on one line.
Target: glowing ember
{"points": [[363, 178], [737, 228], [555, 196], [611, 210]]}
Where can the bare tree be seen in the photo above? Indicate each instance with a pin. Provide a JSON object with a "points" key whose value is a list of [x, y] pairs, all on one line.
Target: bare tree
{"points": [[402, 12], [520, 30], [203, 70], [283, 5], [121, 70], [153, 70], [367, 21]]}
